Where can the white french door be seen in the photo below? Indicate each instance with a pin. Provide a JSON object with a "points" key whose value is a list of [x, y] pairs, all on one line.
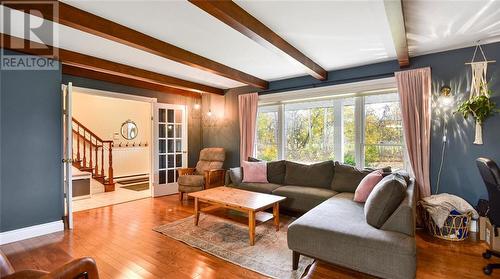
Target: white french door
{"points": [[170, 147], [67, 91]]}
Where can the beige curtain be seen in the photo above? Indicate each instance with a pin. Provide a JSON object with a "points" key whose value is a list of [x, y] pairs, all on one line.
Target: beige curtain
{"points": [[414, 88], [248, 117]]}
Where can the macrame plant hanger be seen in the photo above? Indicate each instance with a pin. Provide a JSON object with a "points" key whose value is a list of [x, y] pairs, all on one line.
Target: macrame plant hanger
{"points": [[479, 85]]}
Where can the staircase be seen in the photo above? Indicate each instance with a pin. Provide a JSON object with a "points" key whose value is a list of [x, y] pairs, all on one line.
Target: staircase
{"points": [[92, 154]]}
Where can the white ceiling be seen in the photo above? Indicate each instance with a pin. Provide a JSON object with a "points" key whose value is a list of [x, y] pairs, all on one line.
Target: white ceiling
{"points": [[335, 34], [434, 26]]}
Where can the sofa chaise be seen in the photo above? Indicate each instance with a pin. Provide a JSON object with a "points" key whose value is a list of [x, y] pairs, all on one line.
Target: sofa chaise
{"points": [[333, 227]]}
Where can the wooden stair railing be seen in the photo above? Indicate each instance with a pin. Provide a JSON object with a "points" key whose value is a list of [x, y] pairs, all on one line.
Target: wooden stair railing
{"points": [[86, 158]]}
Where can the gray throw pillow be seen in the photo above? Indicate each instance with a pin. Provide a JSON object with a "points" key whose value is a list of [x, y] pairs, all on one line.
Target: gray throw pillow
{"points": [[316, 175], [236, 175], [347, 178], [384, 199], [276, 172]]}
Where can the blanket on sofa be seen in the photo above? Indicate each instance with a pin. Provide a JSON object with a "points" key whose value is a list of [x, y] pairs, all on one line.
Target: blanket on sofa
{"points": [[439, 207]]}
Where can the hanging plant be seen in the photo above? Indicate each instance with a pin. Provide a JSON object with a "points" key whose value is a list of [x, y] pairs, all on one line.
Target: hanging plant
{"points": [[480, 107]]}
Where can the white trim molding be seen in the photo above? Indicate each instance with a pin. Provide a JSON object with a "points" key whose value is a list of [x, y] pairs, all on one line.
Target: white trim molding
{"points": [[345, 90], [30, 232]]}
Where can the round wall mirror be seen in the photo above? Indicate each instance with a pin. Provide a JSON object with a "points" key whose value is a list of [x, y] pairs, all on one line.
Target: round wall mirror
{"points": [[129, 130]]}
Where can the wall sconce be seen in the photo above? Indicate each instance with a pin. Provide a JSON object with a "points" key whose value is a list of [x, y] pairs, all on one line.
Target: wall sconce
{"points": [[445, 97]]}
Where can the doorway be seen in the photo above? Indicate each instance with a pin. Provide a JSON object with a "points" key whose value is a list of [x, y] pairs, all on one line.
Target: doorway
{"points": [[125, 147]]}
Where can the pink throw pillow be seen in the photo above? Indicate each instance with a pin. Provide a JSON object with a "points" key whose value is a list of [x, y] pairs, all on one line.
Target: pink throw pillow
{"points": [[366, 185], [254, 172]]}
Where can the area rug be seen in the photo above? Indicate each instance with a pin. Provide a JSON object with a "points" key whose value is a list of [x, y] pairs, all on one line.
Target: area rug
{"points": [[228, 240], [137, 187]]}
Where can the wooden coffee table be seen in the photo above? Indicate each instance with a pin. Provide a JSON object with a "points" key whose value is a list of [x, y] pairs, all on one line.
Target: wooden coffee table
{"points": [[239, 200]]}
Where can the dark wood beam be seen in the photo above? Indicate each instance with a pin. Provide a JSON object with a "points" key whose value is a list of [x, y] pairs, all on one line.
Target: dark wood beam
{"points": [[85, 73], [90, 23], [237, 18], [395, 16], [84, 61]]}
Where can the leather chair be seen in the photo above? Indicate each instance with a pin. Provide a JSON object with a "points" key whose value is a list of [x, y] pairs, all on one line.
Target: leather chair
{"points": [[79, 268], [207, 174], [491, 177]]}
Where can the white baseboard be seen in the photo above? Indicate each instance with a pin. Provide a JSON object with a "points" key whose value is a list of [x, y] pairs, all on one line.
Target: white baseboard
{"points": [[29, 232]]}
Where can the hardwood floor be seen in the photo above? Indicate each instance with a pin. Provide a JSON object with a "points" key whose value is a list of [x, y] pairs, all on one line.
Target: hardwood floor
{"points": [[120, 238]]}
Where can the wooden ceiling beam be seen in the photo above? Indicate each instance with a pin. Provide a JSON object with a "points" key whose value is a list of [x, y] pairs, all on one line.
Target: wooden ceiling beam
{"points": [[90, 23], [395, 16], [84, 61], [86, 73], [239, 19]]}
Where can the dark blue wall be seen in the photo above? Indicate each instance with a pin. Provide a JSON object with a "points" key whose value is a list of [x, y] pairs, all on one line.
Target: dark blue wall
{"points": [[459, 176], [31, 148]]}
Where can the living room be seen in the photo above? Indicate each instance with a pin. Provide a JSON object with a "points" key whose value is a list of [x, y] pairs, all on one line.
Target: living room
{"points": [[287, 139]]}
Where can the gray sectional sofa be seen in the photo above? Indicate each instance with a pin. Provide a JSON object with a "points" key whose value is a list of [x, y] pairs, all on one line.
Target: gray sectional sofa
{"points": [[333, 227]]}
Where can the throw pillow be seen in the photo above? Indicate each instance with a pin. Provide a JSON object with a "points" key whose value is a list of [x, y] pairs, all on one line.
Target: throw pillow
{"points": [[366, 185], [275, 170], [236, 175], [316, 175], [254, 172], [384, 199], [347, 178]]}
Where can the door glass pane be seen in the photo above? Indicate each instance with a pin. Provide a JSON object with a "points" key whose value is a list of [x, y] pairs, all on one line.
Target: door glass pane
{"points": [[178, 145], [178, 160], [170, 116], [170, 148], [161, 130], [170, 130], [176, 175], [161, 146], [170, 176], [170, 161], [161, 115], [178, 131], [162, 162], [162, 177], [349, 132], [178, 116]]}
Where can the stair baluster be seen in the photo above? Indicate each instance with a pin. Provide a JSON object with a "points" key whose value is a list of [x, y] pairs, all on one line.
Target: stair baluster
{"points": [[93, 165]]}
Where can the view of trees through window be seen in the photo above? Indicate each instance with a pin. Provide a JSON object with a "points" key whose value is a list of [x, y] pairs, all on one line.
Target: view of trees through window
{"points": [[309, 132], [383, 133], [267, 136]]}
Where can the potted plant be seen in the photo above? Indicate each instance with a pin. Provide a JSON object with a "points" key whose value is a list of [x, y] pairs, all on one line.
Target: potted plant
{"points": [[480, 107]]}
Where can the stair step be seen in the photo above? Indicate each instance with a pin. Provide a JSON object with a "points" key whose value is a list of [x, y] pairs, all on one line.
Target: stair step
{"points": [[86, 169]]}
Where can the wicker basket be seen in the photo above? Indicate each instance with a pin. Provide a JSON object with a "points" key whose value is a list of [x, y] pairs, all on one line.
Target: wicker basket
{"points": [[456, 227]]}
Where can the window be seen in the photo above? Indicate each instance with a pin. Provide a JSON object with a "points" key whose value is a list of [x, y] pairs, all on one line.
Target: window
{"points": [[383, 135], [309, 132], [363, 131], [266, 147]]}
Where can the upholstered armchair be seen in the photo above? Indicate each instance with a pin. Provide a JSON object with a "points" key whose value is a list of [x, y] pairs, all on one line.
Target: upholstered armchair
{"points": [[79, 268], [208, 172]]}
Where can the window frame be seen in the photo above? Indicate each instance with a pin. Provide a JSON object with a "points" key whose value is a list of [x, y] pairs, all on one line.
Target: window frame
{"points": [[338, 103]]}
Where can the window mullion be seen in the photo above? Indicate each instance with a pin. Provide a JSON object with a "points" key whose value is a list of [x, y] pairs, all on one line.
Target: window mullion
{"points": [[359, 126], [338, 130], [281, 132]]}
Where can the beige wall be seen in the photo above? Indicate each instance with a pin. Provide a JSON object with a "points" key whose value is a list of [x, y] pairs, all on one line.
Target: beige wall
{"points": [[104, 117]]}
